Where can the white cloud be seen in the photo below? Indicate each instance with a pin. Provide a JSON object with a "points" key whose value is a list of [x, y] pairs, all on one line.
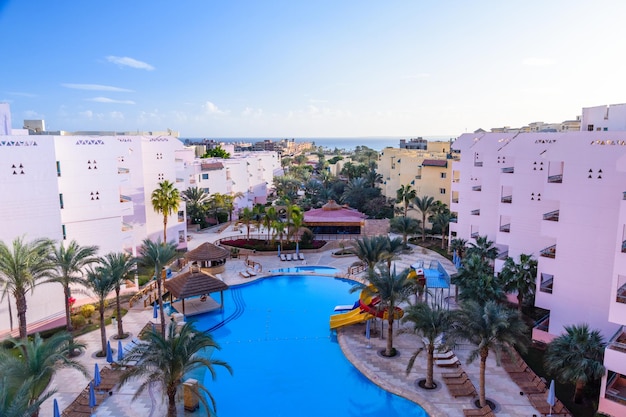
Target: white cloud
{"points": [[316, 101], [88, 114], [124, 61], [252, 112], [538, 62], [116, 115], [110, 100], [32, 114], [97, 87], [416, 76], [211, 108]]}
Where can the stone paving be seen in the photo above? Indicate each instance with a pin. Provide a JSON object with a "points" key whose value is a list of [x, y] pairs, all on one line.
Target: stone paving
{"points": [[388, 373]]}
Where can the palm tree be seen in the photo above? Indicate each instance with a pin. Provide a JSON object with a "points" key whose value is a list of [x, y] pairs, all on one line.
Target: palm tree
{"points": [[165, 201], [22, 267], [424, 205], [369, 250], [157, 254], [14, 401], [441, 222], [70, 262], [429, 321], [246, 217], [576, 357], [458, 245], [100, 282], [279, 230], [405, 194], [118, 266], [491, 326], [42, 359], [520, 277], [483, 247], [229, 202], [477, 282], [271, 215], [166, 360], [295, 221], [392, 248], [405, 226], [392, 289], [196, 200]]}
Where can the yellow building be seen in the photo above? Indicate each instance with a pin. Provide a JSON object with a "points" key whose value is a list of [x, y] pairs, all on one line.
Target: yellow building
{"points": [[429, 171]]}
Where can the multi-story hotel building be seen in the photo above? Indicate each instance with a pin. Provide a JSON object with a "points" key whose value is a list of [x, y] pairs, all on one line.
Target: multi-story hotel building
{"points": [[562, 198]]}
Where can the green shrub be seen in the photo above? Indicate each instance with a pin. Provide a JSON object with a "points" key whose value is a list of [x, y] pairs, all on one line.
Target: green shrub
{"points": [[87, 310], [78, 320], [222, 217]]}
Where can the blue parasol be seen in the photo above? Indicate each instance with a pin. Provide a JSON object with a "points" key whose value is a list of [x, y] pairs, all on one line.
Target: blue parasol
{"points": [[551, 396], [92, 396], [279, 251], [109, 353], [120, 351], [55, 409], [155, 310], [297, 249], [96, 376]]}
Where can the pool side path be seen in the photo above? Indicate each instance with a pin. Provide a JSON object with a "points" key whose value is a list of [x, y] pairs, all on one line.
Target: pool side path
{"points": [[389, 374]]}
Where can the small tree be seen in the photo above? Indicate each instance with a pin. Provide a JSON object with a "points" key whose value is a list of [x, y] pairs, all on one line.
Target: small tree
{"points": [[520, 277], [101, 283], [165, 200]]}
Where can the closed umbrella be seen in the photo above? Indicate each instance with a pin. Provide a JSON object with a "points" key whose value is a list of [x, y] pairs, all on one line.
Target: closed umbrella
{"points": [[155, 311], [96, 376], [551, 396], [92, 396], [120, 351], [279, 251], [297, 249], [109, 353], [55, 409]]}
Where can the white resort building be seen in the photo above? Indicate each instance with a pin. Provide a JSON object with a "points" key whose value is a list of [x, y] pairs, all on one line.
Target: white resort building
{"points": [[560, 196]]}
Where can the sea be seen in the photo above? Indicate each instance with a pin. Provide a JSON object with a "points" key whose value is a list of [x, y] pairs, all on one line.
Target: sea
{"points": [[344, 143]]}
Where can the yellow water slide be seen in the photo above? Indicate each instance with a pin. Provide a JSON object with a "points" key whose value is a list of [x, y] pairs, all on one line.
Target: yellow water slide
{"points": [[351, 317]]}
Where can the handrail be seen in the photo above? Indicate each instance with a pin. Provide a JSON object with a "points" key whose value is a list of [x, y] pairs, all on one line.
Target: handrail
{"points": [[552, 216]]}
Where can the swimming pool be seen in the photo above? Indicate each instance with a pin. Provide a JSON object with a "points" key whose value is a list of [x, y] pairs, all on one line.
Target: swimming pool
{"points": [[285, 362], [310, 269]]}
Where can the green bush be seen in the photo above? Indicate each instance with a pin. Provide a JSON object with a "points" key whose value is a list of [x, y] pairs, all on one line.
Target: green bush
{"points": [[87, 310], [222, 216], [78, 320]]}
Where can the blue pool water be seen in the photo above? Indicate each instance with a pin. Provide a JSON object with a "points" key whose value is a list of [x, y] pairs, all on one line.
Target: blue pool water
{"points": [[274, 333], [311, 269]]}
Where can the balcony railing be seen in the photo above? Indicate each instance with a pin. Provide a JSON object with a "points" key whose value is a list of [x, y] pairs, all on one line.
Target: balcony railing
{"points": [[126, 227], [477, 188], [125, 199], [508, 170], [478, 163], [552, 216], [121, 170], [624, 195], [616, 389], [623, 246], [555, 178], [618, 341], [180, 180], [549, 252], [475, 212], [508, 199], [506, 228], [546, 286], [455, 200], [621, 294], [474, 235], [503, 255], [543, 323]]}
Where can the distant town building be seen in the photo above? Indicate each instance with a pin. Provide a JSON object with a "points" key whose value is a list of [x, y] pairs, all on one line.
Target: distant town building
{"points": [[414, 143]]}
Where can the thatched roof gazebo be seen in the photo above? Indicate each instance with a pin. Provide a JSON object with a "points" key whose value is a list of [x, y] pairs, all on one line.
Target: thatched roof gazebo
{"points": [[194, 283], [334, 218], [208, 255]]}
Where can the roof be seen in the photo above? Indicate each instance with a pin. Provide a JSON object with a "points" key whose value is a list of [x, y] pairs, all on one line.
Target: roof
{"points": [[190, 284], [211, 166], [207, 252], [333, 213], [435, 163]]}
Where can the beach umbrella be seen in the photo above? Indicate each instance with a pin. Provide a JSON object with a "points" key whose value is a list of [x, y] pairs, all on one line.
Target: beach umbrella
{"points": [[109, 353], [55, 409], [92, 396], [120, 351], [297, 248], [279, 251], [457, 264], [96, 376], [155, 310], [454, 256], [551, 396]]}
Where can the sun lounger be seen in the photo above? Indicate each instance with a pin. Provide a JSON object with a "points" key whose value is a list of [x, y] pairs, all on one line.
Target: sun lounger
{"points": [[453, 361], [466, 389], [456, 381], [283, 257], [251, 272], [301, 256], [480, 412], [244, 274], [289, 257], [443, 355]]}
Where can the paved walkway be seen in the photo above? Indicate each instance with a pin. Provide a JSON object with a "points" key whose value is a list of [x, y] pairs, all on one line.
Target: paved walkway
{"points": [[385, 372]]}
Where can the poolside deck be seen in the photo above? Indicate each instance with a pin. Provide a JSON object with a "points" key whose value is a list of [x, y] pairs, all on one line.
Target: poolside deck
{"points": [[194, 306]]}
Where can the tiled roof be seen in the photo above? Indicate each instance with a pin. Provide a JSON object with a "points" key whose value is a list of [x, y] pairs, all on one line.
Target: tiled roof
{"points": [[211, 166], [207, 252], [435, 163], [191, 284]]}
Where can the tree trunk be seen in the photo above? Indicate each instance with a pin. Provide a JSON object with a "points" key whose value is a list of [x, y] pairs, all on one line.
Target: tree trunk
{"points": [[120, 329], [430, 365], [20, 306], [424, 228], [161, 310], [483, 363], [520, 301], [171, 403], [10, 312], [389, 349], [68, 316], [103, 330], [165, 228], [578, 391]]}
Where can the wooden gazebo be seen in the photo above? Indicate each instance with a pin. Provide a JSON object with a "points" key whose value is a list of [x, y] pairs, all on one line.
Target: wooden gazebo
{"points": [[208, 256], [334, 219], [198, 284]]}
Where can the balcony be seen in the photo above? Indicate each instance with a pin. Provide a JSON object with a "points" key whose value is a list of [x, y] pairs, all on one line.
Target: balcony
{"points": [[503, 255], [621, 294], [618, 341], [454, 200], [616, 388], [180, 180], [623, 246], [540, 332], [552, 216], [125, 199], [477, 188], [508, 170], [507, 199], [126, 227], [624, 195], [478, 163], [555, 179], [475, 212], [549, 252], [474, 235], [121, 170], [505, 228], [547, 285]]}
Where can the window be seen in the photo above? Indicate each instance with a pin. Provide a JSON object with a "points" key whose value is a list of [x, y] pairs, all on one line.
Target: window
{"points": [[442, 191], [206, 190], [547, 281], [181, 236], [58, 168], [205, 176], [589, 128], [181, 216], [64, 232], [61, 200], [443, 175]]}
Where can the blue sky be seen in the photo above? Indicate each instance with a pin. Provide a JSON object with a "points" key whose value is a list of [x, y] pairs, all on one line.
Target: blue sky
{"points": [[308, 68]]}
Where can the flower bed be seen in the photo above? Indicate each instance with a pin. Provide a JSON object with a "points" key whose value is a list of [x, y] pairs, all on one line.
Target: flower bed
{"points": [[262, 246]]}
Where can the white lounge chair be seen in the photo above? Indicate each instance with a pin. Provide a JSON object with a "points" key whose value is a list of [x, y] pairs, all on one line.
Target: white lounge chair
{"points": [[244, 274], [289, 258], [251, 272], [453, 361], [283, 257], [301, 256]]}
